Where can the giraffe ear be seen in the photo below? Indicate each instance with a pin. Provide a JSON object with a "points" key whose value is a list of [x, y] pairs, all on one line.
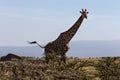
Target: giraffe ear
{"points": [[87, 12]]}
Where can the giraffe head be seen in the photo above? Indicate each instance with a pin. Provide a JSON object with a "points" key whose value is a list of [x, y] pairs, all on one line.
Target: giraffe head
{"points": [[84, 13]]}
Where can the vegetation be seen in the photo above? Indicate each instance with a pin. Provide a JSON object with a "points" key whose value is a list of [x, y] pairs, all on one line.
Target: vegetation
{"points": [[30, 68]]}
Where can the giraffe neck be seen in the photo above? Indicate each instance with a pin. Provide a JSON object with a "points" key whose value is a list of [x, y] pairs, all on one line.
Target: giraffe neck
{"points": [[72, 31], [65, 37]]}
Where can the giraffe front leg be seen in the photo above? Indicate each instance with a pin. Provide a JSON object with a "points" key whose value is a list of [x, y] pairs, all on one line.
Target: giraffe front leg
{"points": [[63, 58]]}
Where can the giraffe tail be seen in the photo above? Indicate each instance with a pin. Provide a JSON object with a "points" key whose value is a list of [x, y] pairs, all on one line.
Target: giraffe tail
{"points": [[34, 42], [40, 45]]}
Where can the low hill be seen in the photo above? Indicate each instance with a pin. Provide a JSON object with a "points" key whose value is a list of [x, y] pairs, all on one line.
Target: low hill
{"points": [[77, 49]]}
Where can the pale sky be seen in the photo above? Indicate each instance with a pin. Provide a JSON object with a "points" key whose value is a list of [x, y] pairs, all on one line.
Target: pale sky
{"points": [[44, 20]]}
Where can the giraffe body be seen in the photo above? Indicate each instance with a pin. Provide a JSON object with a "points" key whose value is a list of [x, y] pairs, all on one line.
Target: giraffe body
{"points": [[56, 49]]}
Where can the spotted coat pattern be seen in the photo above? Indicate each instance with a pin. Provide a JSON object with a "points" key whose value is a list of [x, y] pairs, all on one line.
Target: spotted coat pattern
{"points": [[61, 45]]}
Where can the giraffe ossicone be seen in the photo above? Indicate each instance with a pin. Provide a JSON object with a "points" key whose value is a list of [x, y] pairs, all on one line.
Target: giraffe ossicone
{"points": [[84, 13]]}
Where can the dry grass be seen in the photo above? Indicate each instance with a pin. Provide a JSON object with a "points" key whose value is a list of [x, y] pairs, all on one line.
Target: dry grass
{"points": [[36, 69]]}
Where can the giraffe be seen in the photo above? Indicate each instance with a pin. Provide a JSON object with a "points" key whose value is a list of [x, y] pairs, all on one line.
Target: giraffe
{"points": [[61, 45]]}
